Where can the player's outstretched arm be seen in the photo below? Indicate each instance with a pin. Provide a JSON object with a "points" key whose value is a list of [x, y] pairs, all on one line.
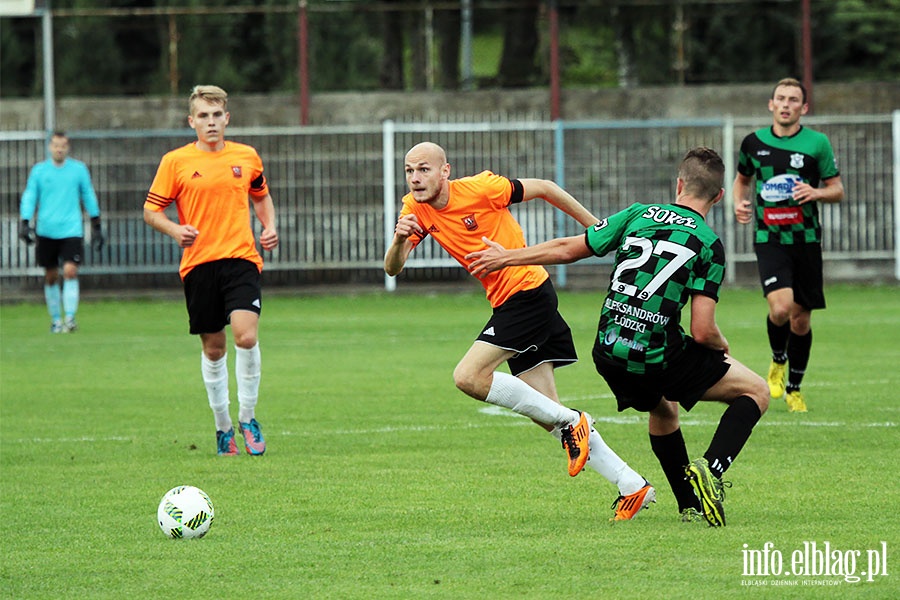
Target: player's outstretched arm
{"points": [[558, 197], [558, 251]]}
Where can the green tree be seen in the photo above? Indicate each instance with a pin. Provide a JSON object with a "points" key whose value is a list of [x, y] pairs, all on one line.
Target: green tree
{"points": [[518, 66], [857, 39], [20, 47]]}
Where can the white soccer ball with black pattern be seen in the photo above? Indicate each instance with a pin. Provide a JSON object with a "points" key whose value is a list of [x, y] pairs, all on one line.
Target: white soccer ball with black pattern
{"points": [[185, 512]]}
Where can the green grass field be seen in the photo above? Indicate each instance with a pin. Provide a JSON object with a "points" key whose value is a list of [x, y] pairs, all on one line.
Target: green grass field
{"points": [[383, 481]]}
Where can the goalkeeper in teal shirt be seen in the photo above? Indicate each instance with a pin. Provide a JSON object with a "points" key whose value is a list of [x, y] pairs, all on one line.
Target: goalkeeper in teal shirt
{"points": [[57, 190]]}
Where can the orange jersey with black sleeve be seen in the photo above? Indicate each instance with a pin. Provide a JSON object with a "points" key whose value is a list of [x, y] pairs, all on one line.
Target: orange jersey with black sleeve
{"points": [[210, 191], [479, 206]]}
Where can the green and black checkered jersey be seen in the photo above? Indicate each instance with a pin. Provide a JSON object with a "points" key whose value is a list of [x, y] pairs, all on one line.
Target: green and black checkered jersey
{"points": [[665, 253], [778, 163]]}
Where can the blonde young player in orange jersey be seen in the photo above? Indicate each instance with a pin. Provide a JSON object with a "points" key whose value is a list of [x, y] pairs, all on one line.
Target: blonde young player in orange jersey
{"points": [[526, 330], [209, 181]]}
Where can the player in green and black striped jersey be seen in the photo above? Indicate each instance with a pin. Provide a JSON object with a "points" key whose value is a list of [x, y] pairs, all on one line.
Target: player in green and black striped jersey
{"points": [[665, 253], [794, 169], [667, 258]]}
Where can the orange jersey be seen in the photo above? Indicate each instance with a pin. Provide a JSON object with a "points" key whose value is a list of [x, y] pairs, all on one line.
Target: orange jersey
{"points": [[210, 190], [479, 206]]}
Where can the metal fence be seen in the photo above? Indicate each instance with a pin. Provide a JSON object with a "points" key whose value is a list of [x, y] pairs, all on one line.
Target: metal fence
{"points": [[337, 189]]}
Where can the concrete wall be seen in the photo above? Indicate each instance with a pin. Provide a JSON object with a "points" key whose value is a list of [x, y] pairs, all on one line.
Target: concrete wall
{"points": [[746, 100]]}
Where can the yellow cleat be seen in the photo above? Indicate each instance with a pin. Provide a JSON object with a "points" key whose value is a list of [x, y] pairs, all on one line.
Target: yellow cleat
{"points": [[709, 489], [795, 402], [775, 380], [692, 515]]}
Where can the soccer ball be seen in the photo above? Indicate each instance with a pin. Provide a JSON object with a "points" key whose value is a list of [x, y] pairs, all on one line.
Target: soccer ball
{"points": [[185, 512]]}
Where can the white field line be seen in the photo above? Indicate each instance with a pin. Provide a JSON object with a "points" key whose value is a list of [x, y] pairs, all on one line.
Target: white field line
{"points": [[510, 419]]}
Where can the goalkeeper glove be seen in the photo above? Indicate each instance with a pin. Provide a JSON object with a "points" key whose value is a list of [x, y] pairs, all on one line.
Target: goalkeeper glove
{"points": [[26, 232], [97, 239]]}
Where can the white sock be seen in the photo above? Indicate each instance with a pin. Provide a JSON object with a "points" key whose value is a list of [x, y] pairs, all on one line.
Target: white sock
{"points": [[606, 462], [215, 378], [513, 393], [52, 296], [247, 369]]}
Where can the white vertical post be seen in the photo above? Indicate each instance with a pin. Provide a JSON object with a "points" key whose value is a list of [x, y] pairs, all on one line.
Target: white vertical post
{"points": [[429, 48], [559, 151], [728, 205], [388, 173], [468, 80], [895, 129], [49, 90]]}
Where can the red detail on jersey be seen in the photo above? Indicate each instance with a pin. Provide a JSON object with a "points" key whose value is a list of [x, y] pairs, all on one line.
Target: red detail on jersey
{"points": [[788, 215], [470, 223], [236, 171]]}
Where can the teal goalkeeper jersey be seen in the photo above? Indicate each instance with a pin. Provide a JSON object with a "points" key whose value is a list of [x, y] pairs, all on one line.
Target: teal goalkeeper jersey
{"points": [[778, 163], [665, 253], [56, 194]]}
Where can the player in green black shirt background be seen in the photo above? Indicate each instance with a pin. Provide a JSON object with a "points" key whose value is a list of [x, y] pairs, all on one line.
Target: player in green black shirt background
{"points": [[666, 257], [788, 161]]}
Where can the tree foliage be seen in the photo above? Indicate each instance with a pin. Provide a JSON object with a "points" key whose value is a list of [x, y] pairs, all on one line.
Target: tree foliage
{"points": [[112, 48]]}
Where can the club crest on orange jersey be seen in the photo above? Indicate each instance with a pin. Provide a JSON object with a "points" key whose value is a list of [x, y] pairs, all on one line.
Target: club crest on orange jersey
{"points": [[236, 171], [470, 222]]}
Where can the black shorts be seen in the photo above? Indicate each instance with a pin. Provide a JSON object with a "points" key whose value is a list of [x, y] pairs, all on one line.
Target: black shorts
{"points": [[213, 290], [795, 266], [530, 325], [50, 252], [684, 381]]}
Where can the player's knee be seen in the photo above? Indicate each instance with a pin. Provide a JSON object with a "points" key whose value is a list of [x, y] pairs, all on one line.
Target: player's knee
{"points": [[780, 313], [213, 353], [468, 382], [462, 378], [245, 339], [800, 323], [759, 393], [663, 419]]}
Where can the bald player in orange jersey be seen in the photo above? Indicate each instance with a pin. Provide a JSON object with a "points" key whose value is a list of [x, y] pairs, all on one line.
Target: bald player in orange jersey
{"points": [[526, 330], [213, 182]]}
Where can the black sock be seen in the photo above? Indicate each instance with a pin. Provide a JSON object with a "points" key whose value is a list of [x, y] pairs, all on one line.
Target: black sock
{"points": [[673, 458], [778, 340], [798, 357], [734, 429]]}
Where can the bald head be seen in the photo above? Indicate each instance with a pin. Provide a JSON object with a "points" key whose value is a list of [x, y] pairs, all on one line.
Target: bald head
{"points": [[427, 174], [426, 152]]}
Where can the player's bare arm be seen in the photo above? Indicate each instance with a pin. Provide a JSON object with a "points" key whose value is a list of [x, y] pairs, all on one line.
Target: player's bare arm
{"points": [[185, 235], [265, 212], [704, 328], [832, 191], [398, 251], [553, 252], [558, 197], [743, 205]]}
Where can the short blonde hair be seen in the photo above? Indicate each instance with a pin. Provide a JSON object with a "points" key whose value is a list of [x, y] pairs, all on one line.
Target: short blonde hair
{"points": [[791, 82], [211, 93]]}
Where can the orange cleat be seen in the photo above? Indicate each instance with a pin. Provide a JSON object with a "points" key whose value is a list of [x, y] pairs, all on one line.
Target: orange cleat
{"points": [[575, 441], [627, 507]]}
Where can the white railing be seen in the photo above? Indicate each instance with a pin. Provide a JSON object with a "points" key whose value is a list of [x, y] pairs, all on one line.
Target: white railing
{"points": [[337, 189]]}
